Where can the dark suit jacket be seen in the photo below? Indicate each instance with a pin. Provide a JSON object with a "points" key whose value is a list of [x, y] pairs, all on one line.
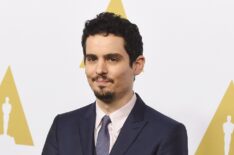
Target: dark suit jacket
{"points": [[145, 132]]}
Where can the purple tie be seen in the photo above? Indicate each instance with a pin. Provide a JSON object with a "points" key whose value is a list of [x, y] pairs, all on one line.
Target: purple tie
{"points": [[103, 139]]}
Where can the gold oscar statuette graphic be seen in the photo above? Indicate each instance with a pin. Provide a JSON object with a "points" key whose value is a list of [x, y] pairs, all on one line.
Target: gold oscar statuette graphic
{"points": [[116, 7], [218, 138], [13, 124]]}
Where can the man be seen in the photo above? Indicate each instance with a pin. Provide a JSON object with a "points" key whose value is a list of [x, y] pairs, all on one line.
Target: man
{"points": [[119, 122]]}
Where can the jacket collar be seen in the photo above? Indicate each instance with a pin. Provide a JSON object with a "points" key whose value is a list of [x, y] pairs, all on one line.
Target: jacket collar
{"points": [[131, 128]]}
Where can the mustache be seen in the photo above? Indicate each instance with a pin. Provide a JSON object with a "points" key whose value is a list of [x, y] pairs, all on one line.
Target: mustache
{"points": [[103, 77]]}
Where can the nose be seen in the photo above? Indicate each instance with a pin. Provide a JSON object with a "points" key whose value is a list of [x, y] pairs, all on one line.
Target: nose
{"points": [[101, 67]]}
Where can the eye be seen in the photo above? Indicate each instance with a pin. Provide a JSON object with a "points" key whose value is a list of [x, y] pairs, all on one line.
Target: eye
{"points": [[113, 59], [90, 58]]}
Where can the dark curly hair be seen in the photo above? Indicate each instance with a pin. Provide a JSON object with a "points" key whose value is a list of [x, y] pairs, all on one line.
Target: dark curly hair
{"points": [[109, 23]]}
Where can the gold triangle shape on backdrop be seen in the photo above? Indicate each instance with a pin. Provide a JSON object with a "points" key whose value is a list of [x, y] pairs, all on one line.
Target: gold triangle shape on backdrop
{"points": [[82, 64], [18, 127], [115, 6], [213, 141]]}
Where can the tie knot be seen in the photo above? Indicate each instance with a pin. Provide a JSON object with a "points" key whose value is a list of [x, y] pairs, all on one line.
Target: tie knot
{"points": [[105, 120]]}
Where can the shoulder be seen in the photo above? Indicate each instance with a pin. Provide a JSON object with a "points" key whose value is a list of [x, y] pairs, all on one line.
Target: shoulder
{"points": [[170, 134], [76, 115], [158, 122], [154, 116], [163, 129]]}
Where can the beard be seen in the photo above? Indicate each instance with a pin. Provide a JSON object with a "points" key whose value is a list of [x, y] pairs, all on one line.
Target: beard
{"points": [[106, 97]]}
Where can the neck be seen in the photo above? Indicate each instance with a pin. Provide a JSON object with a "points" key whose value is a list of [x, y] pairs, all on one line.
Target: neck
{"points": [[116, 104]]}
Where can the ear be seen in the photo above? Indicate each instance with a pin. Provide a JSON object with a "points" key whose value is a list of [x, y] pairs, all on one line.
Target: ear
{"points": [[138, 65]]}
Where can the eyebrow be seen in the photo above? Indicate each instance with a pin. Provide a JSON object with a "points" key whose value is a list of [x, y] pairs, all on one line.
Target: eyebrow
{"points": [[106, 55], [117, 55], [90, 55]]}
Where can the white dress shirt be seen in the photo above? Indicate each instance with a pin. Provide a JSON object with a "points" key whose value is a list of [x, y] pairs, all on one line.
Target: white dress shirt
{"points": [[118, 118]]}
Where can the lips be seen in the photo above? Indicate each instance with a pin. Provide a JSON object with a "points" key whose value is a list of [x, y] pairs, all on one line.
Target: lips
{"points": [[102, 80]]}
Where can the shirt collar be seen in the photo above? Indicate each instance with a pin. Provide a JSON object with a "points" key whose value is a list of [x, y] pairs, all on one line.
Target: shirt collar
{"points": [[119, 116]]}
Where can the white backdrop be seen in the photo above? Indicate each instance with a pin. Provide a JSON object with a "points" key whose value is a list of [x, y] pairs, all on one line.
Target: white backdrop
{"points": [[188, 47]]}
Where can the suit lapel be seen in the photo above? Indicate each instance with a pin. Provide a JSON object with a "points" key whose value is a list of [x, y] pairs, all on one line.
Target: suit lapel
{"points": [[87, 131], [131, 128]]}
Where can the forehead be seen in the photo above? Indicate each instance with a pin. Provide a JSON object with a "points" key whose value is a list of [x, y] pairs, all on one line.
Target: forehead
{"points": [[100, 44]]}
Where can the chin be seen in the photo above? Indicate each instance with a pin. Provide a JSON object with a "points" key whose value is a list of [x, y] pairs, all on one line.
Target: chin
{"points": [[105, 96]]}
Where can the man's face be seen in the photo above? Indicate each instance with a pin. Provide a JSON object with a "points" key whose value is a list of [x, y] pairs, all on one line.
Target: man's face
{"points": [[107, 67]]}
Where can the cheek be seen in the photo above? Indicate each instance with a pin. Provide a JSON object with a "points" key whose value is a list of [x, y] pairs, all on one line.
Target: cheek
{"points": [[89, 78], [124, 77], [88, 71]]}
